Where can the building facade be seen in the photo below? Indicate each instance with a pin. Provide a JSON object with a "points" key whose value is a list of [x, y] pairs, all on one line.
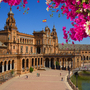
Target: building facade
{"points": [[20, 51]]}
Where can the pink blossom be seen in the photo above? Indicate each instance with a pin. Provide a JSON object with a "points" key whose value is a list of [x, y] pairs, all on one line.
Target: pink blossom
{"points": [[62, 43], [28, 8], [23, 5], [25, 1], [64, 28], [66, 40], [57, 10], [38, 1], [72, 42], [18, 7]]}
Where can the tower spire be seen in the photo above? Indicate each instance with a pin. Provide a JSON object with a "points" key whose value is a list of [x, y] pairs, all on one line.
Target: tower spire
{"points": [[54, 29], [10, 22], [10, 8]]}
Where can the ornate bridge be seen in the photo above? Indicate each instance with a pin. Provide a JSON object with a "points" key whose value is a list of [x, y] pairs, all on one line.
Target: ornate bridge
{"points": [[83, 68]]}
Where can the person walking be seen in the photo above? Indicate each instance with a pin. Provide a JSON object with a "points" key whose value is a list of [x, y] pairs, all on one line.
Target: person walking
{"points": [[27, 76], [60, 74], [62, 79]]}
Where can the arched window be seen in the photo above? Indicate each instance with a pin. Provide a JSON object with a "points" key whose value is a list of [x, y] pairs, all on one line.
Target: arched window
{"points": [[20, 40], [39, 42], [84, 57], [23, 40], [27, 40]]}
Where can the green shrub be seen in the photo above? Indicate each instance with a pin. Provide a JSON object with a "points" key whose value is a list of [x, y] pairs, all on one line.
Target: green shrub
{"points": [[31, 69], [57, 63], [12, 72]]}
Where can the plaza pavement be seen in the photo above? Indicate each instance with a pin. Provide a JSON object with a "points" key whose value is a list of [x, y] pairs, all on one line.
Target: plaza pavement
{"points": [[48, 80]]}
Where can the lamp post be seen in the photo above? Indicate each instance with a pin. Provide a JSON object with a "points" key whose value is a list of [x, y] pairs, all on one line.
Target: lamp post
{"points": [[69, 72], [83, 60], [76, 74], [74, 58]]}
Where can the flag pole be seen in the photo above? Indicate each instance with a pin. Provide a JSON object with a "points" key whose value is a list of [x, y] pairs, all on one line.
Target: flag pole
{"points": [[46, 23]]}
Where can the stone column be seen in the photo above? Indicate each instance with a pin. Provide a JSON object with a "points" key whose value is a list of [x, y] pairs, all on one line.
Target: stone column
{"points": [[40, 62], [37, 63], [7, 66], [28, 63], [66, 64], [70, 64], [80, 61], [31, 62], [55, 62], [61, 63], [50, 63], [2, 67], [10, 66], [34, 63], [43, 62]]}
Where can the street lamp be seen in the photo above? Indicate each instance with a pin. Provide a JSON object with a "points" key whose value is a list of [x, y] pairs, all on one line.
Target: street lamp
{"points": [[69, 72], [76, 74], [83, 60], [74, 60]]}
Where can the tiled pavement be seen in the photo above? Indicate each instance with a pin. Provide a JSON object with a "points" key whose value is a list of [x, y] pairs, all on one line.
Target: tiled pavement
{"points": [[48, 80]]}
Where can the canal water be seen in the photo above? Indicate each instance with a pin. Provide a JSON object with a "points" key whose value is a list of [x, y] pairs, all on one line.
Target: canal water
{"points": [[85, 85]]}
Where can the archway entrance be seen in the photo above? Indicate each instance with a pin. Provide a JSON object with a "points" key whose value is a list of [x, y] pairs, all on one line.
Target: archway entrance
{"points": [[57, 64], [47, 62], [63, 64], [38, 50], [0, 67], [23, 63], [5, 66], [13, 64], [52, 63]]}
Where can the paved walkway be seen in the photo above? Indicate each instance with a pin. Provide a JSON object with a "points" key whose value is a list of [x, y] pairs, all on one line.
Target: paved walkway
{"points": [[48, 80]]}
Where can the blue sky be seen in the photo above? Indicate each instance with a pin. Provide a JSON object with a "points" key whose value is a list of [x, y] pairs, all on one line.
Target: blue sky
{"points": [[27, 23]]}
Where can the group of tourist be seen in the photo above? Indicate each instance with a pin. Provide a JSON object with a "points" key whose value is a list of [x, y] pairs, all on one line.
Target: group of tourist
{"points": [[38, 74]]}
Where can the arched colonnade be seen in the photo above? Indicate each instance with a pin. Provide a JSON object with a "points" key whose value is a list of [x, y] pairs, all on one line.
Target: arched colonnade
{"points": [[62, 63], [6, 65], [31, 62]]}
